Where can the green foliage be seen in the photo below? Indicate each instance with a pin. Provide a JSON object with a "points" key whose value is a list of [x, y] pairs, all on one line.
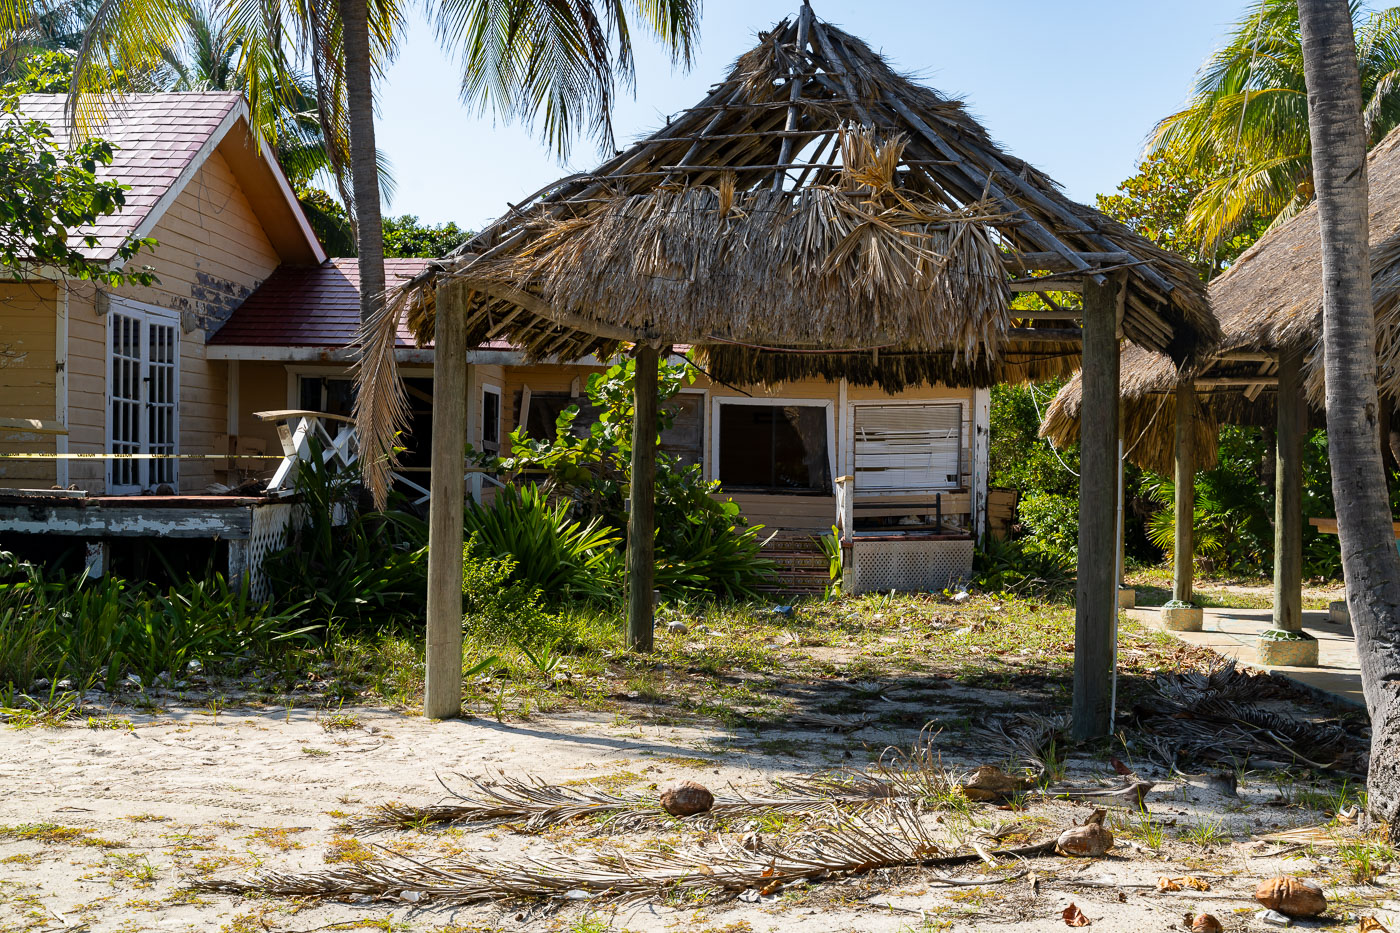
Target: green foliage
{"points": [[42, 72], [367, 571], [407, 236], [549, 551], [1245, 126], [50, 192], [1155, 202], [88, 630], [704, 547], [1021, 568], [1234, 508]]}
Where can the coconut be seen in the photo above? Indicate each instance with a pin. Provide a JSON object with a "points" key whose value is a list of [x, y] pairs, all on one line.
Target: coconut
{"points": [[686, 799], [1205, 923], [991, 783], [1294, 897]]}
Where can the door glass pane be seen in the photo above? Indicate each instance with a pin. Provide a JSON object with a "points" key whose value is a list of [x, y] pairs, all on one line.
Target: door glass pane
{"points": [[125, 383]]}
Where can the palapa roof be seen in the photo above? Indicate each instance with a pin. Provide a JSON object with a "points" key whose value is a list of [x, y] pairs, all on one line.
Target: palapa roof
{"points": [[1269, 300], [816, 214]]}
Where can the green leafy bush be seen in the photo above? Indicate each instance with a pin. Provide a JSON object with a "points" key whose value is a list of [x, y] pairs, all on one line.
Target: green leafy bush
{"points": [[1022, 568], [99, 630], [549, 551], [704, 547], [367, 571]]}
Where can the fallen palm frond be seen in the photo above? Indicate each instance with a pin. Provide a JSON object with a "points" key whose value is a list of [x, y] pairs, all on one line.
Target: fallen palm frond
{"points": [[1206, 717], [536, 806], [855, 845]]}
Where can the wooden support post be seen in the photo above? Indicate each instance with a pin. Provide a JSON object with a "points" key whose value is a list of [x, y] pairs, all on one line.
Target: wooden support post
{"points": [[1288, 496], [641, 521], [1096, 596], [442, 693], [1184, 543]]}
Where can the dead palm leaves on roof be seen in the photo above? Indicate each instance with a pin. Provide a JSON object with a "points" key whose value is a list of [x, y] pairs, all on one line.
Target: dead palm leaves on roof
{"points": [[893, 837]]}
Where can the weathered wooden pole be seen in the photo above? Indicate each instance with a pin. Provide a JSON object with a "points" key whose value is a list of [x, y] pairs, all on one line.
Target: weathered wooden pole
{"points": [[442, 693], [1184, 541], [1288, 496], [1096, 591], [641, 521]]}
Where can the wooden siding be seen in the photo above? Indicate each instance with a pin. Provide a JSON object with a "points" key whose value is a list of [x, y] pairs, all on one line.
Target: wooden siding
{"points": [[211, 254], [28, 377]]}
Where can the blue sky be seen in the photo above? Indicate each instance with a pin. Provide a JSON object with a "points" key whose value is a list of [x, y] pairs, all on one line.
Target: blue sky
{"points": [[1072, 87]]}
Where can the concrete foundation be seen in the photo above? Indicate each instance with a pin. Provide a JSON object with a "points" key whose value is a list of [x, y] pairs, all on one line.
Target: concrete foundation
{"points": [[1337, 611], [1287, 649], [1182, 618], [1127, 597]]}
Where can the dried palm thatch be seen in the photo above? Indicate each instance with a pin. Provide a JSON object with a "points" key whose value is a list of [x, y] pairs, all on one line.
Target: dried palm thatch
{"points": [[855, 845], [1269, 300], [815, 214]]}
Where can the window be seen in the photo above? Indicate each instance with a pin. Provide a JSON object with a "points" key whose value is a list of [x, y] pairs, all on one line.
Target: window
{"points": [[143, 396], [774, 448], [491, 419], [541, 420], [685, 438], [908, 447], [331, 395]]}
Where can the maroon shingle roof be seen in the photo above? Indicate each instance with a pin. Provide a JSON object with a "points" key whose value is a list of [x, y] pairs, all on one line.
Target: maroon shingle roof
{"points": [[310, 306], [156, 138]]}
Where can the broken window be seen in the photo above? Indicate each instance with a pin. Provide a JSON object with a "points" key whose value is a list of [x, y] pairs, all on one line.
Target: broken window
{"points": [[908, 447], [685, 438], [774, 448]]}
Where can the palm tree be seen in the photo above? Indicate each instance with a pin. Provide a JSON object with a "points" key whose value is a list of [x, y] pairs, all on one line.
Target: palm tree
{"points": [[1339, 135], [1246, 124]]}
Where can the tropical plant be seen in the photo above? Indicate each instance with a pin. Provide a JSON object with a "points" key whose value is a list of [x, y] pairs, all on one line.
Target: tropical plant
{"points": [[551, 552], [351, 569], [501, 609], [1016, 567], [50, 194], [1339, 137], [1244, 130], [704, 546], [104, 630]]}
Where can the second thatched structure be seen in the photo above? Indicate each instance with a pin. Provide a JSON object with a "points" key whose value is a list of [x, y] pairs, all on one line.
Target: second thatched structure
{"points": [[1266, 372]]}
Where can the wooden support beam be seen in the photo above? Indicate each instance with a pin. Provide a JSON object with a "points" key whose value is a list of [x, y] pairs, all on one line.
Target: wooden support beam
{"points": [[1055, 262], [1037, 334], [1046, 285], [641, 520], [804, 21], [1288, 495], [1184, 543], [1096, 596], [442, 691], [1227, 382]]}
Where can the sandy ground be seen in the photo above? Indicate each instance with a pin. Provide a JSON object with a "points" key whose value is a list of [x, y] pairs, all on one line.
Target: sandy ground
{"points": [[138, 811]]}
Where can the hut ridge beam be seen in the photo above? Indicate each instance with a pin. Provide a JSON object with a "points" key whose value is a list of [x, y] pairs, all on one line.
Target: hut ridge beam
{"points": [[798, 81]]}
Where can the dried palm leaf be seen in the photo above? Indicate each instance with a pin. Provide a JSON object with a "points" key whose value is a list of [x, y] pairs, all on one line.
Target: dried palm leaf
{"points": [[855, 845]]}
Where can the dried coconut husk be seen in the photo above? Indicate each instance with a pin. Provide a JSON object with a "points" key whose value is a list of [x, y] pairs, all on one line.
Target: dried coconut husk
{"points": [[991, 783], [1292, 897], [1205, 923], [1091, 839]]}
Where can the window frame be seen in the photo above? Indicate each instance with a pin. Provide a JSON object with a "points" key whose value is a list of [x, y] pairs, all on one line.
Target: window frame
{"points": [[716, 433], [963, 442], [145, 315], [492, 445]]}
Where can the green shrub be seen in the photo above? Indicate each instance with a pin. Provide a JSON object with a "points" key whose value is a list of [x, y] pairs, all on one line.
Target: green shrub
{"points": [[89, 630], [1021, 568], [364, 573], [549, 551], [704, 547], [1052, 520]]}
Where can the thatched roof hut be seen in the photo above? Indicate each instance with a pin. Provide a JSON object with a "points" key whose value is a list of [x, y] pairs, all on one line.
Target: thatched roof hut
{"points": [[816, 214], [1269, 301]]}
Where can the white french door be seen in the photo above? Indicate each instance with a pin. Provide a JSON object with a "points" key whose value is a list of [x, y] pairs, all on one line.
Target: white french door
{"points": [[143, 396]]}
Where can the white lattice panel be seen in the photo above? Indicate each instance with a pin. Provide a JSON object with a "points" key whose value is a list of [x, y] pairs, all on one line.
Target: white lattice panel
{"points": [[910, 566], [269, 534]]}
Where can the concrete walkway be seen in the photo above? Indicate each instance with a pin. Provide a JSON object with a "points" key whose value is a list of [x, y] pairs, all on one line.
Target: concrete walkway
{"points": [[1234, 633]]}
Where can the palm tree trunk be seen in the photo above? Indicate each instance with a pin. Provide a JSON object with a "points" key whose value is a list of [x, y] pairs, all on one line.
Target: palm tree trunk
{"points": [[364, 167], [1353, 411]]}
